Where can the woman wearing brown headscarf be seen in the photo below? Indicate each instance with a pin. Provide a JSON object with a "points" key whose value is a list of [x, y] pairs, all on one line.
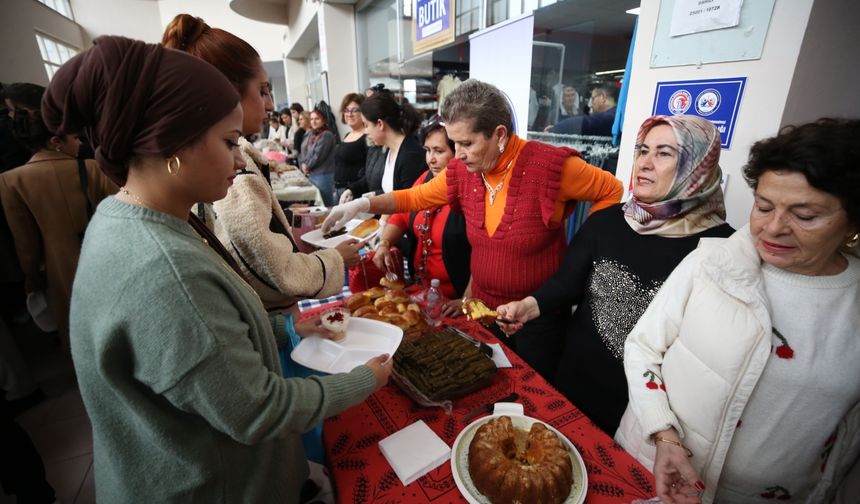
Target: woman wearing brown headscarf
{"points": [[174, 353]]}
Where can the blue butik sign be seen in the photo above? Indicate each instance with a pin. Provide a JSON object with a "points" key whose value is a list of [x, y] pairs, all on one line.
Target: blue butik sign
{"points": [[432, 17], [717, 100]]}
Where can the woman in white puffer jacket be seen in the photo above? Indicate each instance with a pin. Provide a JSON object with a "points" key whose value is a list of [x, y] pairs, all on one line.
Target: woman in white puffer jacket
{"points": [[742, 372]]}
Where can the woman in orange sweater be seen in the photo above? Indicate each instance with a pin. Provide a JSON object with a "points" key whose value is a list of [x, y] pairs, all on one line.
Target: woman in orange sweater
{"points": [[515, 195]]}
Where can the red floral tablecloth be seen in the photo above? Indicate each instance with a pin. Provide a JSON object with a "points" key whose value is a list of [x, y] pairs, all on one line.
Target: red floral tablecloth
{"points": [[362, 475]]}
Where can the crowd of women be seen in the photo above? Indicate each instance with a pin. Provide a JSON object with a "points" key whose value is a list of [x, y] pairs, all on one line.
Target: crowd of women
{"points": [[719, 358]]}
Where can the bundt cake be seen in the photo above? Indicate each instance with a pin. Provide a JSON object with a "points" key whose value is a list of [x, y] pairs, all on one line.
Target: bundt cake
{"points": [[510, 466]]}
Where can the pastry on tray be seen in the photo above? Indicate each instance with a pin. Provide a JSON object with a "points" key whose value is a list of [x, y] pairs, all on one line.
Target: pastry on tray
{"points": [[392, 284], [374, 292], [364, 310], [397, 296], [356, 301], [365, 229], [442, 365]]}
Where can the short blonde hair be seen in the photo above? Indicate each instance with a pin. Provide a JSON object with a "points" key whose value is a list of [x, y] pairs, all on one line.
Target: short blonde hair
{"points": [[481, 103]]}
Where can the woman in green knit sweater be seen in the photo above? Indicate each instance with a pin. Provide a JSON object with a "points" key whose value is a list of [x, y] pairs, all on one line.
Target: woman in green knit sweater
{"points": [[175, 356]]}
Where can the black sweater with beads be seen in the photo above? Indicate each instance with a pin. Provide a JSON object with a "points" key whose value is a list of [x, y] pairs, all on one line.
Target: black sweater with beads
{"points": [[611, 272]]}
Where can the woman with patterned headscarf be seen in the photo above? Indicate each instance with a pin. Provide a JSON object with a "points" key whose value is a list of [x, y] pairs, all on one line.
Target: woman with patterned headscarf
{"points": [[622, 254], [174, 352]]}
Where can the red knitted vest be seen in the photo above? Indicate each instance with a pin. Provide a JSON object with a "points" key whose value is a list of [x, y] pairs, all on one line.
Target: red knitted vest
{"points": [[527, 248]]}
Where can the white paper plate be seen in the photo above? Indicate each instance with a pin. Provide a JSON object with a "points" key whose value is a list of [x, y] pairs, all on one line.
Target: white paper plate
{"points": [[460, 455], [364, 340], [316, 239]]}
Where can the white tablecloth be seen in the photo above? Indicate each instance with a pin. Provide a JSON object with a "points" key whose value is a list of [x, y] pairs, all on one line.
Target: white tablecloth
{"points": [[294, 186]]}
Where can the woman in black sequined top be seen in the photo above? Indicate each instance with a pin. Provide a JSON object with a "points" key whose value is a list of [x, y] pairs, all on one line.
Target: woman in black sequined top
{"points": [[622, 254]]}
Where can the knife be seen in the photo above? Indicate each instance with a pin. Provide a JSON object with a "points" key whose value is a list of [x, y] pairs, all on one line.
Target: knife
{"points": [[489, 407], [485, 348]]}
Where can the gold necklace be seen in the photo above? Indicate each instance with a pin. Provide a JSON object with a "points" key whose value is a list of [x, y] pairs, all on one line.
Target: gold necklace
{"points": [[494, 190], [140, 201], [145, 204]]}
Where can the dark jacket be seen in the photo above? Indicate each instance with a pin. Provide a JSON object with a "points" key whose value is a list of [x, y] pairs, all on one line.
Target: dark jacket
{"points": [[318, 155], [408, 166], [599, 124]]}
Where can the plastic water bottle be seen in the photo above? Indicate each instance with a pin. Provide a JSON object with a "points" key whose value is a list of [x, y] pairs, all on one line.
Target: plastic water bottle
{"points": [[435, 301]]}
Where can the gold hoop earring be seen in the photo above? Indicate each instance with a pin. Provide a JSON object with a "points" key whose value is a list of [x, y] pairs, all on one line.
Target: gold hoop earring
{"points": [[853, 241], [170, 169]]}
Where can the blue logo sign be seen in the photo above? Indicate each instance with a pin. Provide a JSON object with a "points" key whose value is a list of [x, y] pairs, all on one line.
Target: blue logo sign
{"points": [[718, 100], [707, 102], [679, 102], [432, 17]]}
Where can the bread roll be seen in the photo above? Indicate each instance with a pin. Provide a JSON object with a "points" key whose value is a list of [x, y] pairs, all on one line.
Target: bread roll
{"points": [[381, 302], [388, 284], [398, 320], [374, 292], [364, 229], [389, 310], [412, 317], [363, 310], [356, 301], [397, 296]]}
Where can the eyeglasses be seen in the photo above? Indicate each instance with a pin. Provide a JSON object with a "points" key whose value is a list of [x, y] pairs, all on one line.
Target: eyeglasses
{"points": [[351, 111], [436, 120]]}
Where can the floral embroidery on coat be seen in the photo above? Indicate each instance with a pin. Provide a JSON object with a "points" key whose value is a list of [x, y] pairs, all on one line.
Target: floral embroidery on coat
{"points": [[654, 382], [783, 351]]}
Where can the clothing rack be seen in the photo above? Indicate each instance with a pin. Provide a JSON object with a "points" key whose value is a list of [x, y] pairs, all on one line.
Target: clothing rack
{"points": [[597, 151], [597, 146]]}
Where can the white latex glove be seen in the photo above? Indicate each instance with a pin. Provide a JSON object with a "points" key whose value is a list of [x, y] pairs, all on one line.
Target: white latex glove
{"points": [[341, 214], [346, 197]]}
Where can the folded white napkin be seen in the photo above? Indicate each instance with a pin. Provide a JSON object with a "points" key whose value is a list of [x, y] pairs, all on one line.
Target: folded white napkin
{"points": [[414, 451]]}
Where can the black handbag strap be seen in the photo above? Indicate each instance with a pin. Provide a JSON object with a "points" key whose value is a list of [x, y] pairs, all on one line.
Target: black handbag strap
{"points": [[275, 225], [82, 175]]}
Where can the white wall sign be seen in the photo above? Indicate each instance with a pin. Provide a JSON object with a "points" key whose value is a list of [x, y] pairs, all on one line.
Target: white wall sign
{"points": [[513, 39], [694, 16]]}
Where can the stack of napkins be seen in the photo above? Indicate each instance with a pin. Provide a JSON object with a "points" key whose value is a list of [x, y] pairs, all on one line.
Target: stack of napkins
{"points": [[414, 451]]}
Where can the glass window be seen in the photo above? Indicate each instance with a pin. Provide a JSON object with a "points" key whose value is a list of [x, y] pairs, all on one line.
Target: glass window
{"points": [[61, 6], [315, 79], [578, 49], [54, 53], [502, 10], [468, 16]]}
